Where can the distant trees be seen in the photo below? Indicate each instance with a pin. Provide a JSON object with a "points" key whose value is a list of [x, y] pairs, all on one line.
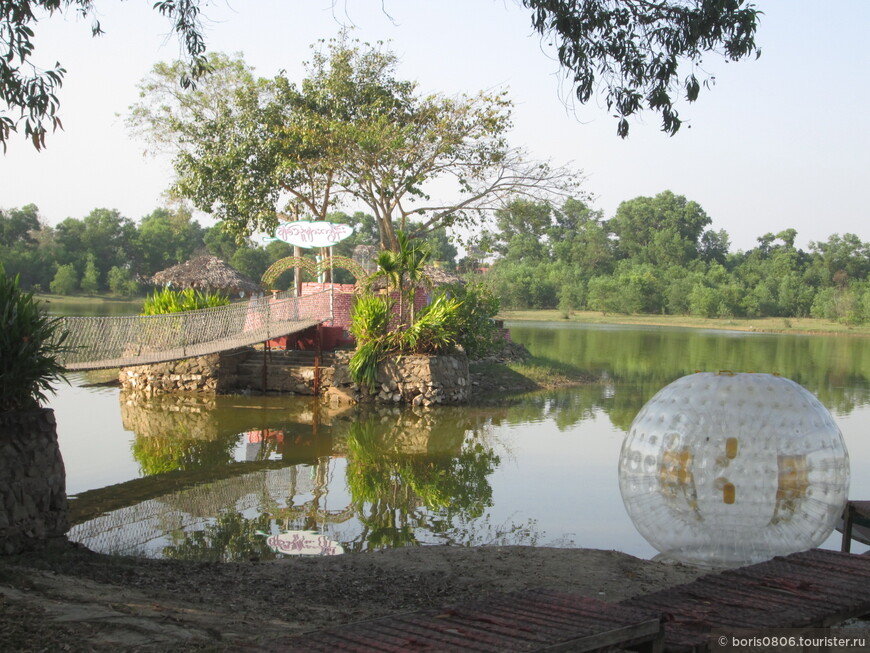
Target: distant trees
{"points": [[658, 255], [107, 252]]}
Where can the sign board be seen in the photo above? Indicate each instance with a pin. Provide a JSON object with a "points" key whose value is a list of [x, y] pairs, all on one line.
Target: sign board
{"points": [[310, 234], [304, 543]]}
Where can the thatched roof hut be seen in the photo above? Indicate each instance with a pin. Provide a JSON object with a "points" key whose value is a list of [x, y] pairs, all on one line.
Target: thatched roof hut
{"points": [[207, 273], [442, 277]]}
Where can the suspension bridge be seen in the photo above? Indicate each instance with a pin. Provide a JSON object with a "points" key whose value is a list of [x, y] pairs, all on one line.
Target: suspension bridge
{"points": [[97, 343]]}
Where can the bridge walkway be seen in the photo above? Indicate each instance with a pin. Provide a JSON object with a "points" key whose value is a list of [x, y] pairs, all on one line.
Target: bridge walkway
{"points": [[120, 341]]}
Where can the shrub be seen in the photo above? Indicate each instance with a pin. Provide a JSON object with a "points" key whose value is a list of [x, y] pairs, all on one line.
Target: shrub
{"points": [[478, 334], [369, 324], [166, 301], [30, 346]]}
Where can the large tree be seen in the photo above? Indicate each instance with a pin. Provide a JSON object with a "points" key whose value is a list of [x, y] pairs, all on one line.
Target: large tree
{"points": [[29, 95], [249, 150], [663, 230], [643, 54]]}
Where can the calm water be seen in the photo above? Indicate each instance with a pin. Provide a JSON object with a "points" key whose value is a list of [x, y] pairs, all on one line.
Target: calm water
{"points": [[214, 478]]}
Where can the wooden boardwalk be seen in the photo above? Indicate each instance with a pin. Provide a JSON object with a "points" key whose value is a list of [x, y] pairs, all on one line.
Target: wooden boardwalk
{"points": [[539, 620], [120, 341], [812, 589]]}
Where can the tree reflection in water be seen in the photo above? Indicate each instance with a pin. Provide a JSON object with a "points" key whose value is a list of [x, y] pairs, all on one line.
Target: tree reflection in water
{"points": [[396, 493], [412, 479]]}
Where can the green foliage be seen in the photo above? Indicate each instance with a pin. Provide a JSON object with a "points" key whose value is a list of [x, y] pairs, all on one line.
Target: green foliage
{"points": [[31, 97], [434, 331], [166, 300], [30, 346], [636, 51], [65, 280], [231, 538], [370, 320], [90, 282], [121, 282], [476, 309], [438, 328]]}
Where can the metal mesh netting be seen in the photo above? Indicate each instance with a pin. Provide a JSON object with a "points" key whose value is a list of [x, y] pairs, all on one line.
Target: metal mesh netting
{"points": [[105, 342]]}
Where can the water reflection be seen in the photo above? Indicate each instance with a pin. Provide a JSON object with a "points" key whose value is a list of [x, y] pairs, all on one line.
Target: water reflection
{"points": [[219, 483], [277, 464], [641, 360]]}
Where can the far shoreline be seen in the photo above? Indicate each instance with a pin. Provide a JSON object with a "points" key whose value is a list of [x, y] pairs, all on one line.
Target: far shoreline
{"points": [[770, 325]]}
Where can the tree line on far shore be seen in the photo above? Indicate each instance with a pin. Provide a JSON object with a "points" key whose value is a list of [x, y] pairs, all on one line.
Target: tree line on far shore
{"points": [[655, 255], [658, 255], [107, 253]]}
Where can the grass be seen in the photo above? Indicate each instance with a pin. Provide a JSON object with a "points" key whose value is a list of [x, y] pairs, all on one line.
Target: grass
{"points": [[535, 373], [767, 324]]}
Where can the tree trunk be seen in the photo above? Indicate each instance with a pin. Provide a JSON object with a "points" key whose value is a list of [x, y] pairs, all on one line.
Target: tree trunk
{"points": [[33, 502]]}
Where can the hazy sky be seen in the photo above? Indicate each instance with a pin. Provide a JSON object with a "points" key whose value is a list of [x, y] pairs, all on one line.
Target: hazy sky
{"points": [[779, 142]]}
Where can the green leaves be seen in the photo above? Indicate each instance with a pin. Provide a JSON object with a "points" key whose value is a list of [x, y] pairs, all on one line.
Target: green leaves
{"points": [[165, 301], [30, 96], [634, 49], [30, 346]]}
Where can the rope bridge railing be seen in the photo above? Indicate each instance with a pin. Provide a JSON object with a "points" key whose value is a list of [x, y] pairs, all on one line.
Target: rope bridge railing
{"points": [[107, 342]]}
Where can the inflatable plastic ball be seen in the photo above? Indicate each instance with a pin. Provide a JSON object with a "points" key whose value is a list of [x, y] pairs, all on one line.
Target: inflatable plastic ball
{"points": [[723, 470]]}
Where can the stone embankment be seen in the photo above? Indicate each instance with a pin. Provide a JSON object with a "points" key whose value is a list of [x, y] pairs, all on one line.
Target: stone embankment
{"points": [[33, 501], [416, 379]]}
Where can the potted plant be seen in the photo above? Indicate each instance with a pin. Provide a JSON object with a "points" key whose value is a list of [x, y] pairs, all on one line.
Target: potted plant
{"points": [[33, 503]]}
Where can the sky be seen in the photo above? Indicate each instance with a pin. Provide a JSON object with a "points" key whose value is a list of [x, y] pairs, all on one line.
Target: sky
{"points": [[779, 142]]}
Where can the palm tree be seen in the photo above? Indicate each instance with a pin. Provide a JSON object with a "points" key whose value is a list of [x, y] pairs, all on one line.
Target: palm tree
{"points": [[408, 263]]}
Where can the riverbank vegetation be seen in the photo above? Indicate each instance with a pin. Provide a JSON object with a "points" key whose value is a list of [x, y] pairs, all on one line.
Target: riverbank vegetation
{"points": [[658, 255]]}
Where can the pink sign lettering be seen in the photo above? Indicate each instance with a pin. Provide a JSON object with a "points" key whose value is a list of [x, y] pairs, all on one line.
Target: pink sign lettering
{"points": [[304, 543], [311, 234]]}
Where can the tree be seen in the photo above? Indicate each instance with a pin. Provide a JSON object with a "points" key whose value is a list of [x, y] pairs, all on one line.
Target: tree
{"points": [[65, 280], [165, 238], [641, 53], [90, 282], [30, 95], [16, 226], [121, 282], [248, 149], [663, 230]]}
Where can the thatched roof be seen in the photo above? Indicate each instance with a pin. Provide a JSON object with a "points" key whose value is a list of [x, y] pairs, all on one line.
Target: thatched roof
{"points": [[206, 273], [441, 277]]}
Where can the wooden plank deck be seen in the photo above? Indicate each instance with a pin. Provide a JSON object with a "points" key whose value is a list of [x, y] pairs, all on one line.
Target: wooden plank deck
{"points": [[811, 589], [536, 620]]}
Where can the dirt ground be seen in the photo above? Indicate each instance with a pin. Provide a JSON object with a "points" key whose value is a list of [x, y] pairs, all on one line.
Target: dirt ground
{"points": [[67, 598]]}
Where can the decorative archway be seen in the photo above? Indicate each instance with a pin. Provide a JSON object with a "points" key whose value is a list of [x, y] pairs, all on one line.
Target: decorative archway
{"points": [[280, 266]]}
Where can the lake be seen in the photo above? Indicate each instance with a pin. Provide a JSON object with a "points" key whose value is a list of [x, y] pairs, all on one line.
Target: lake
{"points": [[220, 478]]}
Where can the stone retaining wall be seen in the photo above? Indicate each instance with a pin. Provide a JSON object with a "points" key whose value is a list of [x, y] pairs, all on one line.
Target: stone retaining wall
{"points": [[418, 380], [211, 374], [33, 502]]}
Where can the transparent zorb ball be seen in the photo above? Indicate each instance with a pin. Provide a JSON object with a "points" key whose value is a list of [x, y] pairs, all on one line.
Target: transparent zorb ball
{"points": [[723, 470]]}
